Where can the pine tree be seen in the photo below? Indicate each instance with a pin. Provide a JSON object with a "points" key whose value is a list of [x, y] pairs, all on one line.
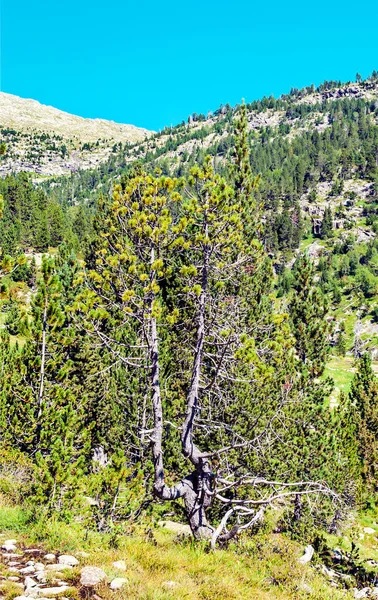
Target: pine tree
{"points": [[363, 399], [326, 225], [308, 310]]}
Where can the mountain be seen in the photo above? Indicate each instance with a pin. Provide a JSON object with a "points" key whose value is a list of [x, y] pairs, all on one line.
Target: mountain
{"points": [[46, 141], [315, 151]]}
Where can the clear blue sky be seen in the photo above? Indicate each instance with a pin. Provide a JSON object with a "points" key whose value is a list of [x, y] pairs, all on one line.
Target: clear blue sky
{"points": [[153, 63]]}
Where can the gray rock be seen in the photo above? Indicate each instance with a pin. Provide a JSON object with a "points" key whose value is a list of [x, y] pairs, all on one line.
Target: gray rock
{"points": [[169, 585], [38, 567], [307, 556], [175, 527], [29, 582], [13, 578], [92, 576], [50, 558], [58, 567], [27, 570], [9, 547], [118, 583], [66, 559], [53, 591], [13, 542], [364, 593], [304, 587], [120, 565], [369, 530]]}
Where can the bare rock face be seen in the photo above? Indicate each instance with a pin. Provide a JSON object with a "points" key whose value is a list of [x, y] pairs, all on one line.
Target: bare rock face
{"points": [[92, 576], [84, 143]]}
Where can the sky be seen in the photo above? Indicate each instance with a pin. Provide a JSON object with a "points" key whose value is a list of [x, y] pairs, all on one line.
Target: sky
{"points": [[153, 63]]}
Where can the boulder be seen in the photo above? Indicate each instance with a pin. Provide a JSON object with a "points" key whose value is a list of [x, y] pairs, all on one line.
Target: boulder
{"points": [[67, 559], [118, 583], [120, 565], [307, 556], [92, 576], [39, 567]]}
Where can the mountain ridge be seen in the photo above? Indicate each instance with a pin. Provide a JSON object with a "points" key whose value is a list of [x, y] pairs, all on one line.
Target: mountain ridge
{"points": [[46, 141]]}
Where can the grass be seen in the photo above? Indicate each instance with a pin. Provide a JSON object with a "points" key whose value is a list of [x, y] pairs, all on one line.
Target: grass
{"points": [[261, 567], [341, 369]]}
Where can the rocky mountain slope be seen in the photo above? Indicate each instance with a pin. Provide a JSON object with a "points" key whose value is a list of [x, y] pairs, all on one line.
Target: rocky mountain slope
{"points": [[46, 141]]}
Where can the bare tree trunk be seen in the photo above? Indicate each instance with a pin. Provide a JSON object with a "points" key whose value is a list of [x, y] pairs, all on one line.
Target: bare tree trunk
{"points": [[193, 488], [198, 498]]}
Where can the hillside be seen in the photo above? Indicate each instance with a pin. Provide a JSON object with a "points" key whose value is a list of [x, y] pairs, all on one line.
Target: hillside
{"points": [[188, 344], [316, 151], [46, 141]]}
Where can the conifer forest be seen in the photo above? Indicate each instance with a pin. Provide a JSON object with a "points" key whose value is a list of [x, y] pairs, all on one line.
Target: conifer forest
{"points": [[189, 355]]}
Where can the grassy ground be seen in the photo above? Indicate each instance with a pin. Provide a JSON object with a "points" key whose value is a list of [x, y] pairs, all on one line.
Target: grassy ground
{"points": [[341, 369], [159, 567]]}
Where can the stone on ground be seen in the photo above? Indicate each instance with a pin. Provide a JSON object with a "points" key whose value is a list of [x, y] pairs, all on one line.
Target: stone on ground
{"points": [[9, 547], [92, 576], [53, 591], [29, 582], [58, 567], [120, 565], [67, 559], [175, 527], [169, 584], [369, 530], [118, 583], [49, 558]]}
